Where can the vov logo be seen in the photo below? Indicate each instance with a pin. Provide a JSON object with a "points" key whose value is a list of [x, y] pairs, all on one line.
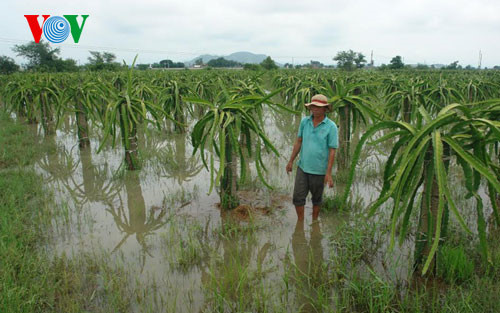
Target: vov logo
{"points": [[55, 28]]}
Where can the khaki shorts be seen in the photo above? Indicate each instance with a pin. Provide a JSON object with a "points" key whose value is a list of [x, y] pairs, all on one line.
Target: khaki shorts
{"points": [[304, 183]]}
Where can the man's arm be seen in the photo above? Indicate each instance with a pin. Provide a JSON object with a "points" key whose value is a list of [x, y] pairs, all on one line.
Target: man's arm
{"points": [[295, 151], [328, 176]]}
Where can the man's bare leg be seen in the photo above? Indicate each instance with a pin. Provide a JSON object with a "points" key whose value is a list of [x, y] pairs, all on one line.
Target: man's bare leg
{"points": [[300, 212], [316, 212]]}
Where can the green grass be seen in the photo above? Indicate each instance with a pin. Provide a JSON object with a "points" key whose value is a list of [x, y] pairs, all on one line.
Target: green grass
{"points": [[23, 214], [331, 203], [234, 284], [454, 265], [184, 244], [465, 283], [30, 279], [18, 144]]}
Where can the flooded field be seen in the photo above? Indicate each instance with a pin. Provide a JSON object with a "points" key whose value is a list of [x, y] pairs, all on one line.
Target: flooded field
{"points": [[107, 204], [177, 252]]}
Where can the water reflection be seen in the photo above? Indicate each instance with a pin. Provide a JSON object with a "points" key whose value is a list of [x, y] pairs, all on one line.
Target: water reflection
{"points": [[308, 272], [134, 218], [234, 278], [177, 165], [94, 187], [286, 124], [59, 164], [60, 168]]}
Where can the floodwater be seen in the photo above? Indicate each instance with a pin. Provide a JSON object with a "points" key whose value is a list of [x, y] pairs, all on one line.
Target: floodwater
{"points": [[161, 226]]}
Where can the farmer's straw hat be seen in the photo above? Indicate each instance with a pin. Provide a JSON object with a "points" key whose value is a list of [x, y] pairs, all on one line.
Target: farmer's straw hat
{"points": [[319, 100]]}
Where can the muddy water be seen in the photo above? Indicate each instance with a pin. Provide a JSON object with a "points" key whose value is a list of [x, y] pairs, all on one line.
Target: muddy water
{"points": [[168, 233]]}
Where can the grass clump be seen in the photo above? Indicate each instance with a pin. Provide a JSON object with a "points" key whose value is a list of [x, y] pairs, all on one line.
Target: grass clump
{"points": [[454, 265], [185, 242], [331, 203]]}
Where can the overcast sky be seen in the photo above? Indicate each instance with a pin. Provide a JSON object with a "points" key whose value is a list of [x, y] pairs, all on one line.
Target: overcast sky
{"points": [[287, 30]]}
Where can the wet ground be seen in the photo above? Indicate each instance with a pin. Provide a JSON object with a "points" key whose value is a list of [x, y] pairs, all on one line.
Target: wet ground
{"points": [[161, 226]]}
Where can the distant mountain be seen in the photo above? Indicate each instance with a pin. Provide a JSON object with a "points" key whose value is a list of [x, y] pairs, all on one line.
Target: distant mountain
{"points": [[242, 57], [204, 57], [246, 57]]}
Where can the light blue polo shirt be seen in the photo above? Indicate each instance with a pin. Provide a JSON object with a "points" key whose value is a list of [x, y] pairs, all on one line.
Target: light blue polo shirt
{"points": [[316, 144]]}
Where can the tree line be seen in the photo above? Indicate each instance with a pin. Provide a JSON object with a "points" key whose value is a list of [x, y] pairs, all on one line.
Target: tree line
{"points": [[43, 58]]}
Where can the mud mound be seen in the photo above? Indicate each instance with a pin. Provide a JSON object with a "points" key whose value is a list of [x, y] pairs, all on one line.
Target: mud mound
{"points": [[242, 212]]}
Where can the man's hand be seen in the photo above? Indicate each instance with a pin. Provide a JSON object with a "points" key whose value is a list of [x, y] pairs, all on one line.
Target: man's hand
{"points": [[296, 150], [329, 180]]}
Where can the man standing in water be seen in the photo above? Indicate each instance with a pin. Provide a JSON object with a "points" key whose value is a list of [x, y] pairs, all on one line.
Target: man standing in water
{"points": [[316, 141]]}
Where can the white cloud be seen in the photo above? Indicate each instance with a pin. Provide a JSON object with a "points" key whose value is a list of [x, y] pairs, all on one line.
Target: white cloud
{"points": [[420, 31]]}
